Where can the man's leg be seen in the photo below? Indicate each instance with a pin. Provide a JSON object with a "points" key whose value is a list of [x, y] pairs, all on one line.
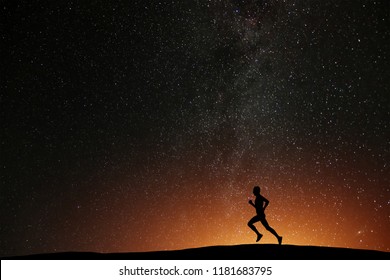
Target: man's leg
{"points": [[271, 230], [252, 226]]}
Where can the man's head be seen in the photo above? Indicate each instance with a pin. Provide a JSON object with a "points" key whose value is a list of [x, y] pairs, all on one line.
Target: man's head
{"points": [[256, 190]]}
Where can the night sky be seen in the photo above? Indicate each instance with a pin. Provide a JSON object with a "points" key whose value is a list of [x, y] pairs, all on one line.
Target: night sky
{"points": [[144, 125]]}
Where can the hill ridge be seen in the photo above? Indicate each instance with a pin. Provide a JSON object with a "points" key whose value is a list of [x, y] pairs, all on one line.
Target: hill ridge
{"points": [[225, 252]]}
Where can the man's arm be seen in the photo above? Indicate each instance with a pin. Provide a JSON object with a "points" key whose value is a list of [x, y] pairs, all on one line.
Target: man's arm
{"points": [[266, 202], [251, 203]]}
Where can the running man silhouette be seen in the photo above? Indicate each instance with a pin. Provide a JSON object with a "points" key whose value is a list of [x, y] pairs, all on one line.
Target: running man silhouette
{"points": [[260, 204]]}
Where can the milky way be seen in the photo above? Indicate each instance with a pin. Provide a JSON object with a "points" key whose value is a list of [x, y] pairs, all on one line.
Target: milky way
{"points": [[144, 126]]}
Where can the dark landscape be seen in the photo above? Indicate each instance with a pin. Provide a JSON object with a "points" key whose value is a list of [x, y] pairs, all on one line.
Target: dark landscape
{"points": [[235, 252]]}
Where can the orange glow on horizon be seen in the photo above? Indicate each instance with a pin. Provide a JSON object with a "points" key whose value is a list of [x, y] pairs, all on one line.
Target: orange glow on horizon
{"points": [[221, 219]]}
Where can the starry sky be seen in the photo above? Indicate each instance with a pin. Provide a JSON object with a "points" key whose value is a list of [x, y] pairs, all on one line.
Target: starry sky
{"points": [[144, 125]]}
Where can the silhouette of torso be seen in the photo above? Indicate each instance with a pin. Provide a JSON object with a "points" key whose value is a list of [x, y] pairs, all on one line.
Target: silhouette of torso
{"points": [[259, 202]]}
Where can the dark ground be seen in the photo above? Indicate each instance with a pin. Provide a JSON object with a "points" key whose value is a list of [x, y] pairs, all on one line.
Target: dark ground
{"points": [[236, 252]]}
